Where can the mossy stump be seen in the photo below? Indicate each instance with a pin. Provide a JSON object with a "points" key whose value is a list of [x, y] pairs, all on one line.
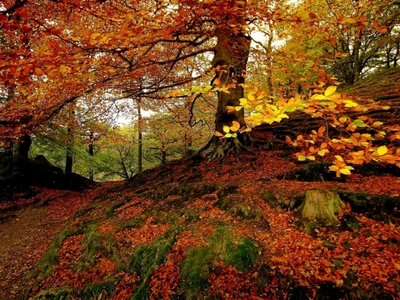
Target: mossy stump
{"points": [[322, 206]]}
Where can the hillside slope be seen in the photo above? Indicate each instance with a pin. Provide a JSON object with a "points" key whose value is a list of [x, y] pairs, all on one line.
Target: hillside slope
{"points": [[195, 229], [198, 229], [383, 85]]}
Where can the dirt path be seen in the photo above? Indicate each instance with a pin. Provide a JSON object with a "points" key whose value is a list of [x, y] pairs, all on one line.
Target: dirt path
{"points": [[26, 232], [25, 235]]}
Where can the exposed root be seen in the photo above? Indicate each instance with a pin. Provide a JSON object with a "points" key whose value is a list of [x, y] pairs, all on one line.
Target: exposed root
{"points": [[217, 149]]}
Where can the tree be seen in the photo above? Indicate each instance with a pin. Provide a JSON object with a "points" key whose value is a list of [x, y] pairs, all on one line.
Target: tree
{"points": [[145, 50]]}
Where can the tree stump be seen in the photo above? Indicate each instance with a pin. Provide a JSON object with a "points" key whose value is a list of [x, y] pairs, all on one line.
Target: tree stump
{"points": [[321, 205]]}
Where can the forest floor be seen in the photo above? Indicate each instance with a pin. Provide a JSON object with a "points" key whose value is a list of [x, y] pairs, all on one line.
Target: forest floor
{"points": [[195, 229], [198, 229]]}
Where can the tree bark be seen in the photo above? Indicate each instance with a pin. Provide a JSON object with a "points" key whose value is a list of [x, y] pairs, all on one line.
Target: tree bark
{"points": [[230, 60], [23, 146], [322, 206]]}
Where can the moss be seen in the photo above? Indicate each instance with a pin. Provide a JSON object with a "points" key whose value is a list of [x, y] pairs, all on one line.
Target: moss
{"points": [[196, 268], [221, 242], [95, 243], [134, 223], [312, 172], [222, 203], [110, 211], [147, 257], [328, 245], [197, 265], [239, 210], [246, 212], [308, 226], [51, 258], [351, 222], [56, 293], [91, 244], [270, 199], [84, 211], [245, 255], [382, 208], [97, 290]]}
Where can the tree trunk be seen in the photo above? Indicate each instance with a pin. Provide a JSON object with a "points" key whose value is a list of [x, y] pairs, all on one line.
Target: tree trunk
{"points": [[140, 138], [321, 205], [230, 60], [163, 157], [91, 153], [23, 146], [357, 60], [69, 153]]}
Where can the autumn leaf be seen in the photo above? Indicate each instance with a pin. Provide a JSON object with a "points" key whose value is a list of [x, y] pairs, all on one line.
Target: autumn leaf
{"points": [[330, 91], [382, 150], [38, 72], [235, 126]]}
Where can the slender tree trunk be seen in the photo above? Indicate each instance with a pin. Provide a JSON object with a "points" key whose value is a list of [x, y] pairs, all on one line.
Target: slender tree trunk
{"points": [[91, 153], [69, 153], [163, 157], [140, 138], [357, 62]]}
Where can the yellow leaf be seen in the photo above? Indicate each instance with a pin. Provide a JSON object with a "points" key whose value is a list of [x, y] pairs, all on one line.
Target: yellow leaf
{"points": [[243, 101], [259, 108], [251, 97], [339, 158], [330, 90], [235, 126], [318, 97], [226, 129], [376, 124], [237, 108], [382, 150], [301, 158], [311, 157], [345, 171], [323, 152], [349, 103]]}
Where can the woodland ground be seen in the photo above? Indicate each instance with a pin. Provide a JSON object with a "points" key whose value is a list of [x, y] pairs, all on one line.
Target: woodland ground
{"points": [[198, 229]]}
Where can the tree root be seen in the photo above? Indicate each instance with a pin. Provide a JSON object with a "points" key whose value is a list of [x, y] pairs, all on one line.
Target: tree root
{"points": [[217, 149]]}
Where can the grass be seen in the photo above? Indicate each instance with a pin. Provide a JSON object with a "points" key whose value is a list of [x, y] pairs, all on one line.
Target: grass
{"points": [[147, 257], [95, 291], [51, 257], [245, 255]]}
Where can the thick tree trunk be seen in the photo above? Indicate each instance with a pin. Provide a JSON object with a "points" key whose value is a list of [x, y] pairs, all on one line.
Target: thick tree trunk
{"points": [[322, 206], [230, 60]]}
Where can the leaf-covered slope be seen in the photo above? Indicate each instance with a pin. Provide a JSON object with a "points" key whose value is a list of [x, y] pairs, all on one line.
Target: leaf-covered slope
{"points": [[383, 85], [196, 229]]}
